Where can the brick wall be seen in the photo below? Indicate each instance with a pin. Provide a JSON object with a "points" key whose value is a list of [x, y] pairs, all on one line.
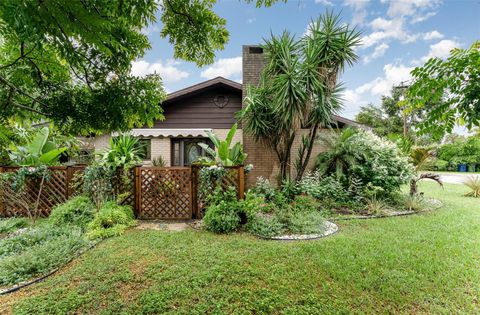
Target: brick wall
{"points": [[160, 147]]}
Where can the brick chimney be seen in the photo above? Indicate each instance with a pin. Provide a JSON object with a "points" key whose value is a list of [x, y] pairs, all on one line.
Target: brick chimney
{"points": [[263, 159]]}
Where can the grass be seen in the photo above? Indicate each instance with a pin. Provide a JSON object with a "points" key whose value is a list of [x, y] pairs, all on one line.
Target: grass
{"points": [[427, 263]]}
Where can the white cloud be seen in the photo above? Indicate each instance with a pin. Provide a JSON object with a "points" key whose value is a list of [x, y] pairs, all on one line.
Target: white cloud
{"points": [[378, 52], [409, 7], [441, 49], [385, 29], [167, 71], [422, 17], [432, 35], [251, 20], [226, 67], [359, 11], [324, 2], [150, 30], [392, 75]]}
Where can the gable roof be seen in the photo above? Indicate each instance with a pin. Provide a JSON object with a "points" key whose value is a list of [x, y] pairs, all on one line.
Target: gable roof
{"points": [[234, 86], [200, 87]]}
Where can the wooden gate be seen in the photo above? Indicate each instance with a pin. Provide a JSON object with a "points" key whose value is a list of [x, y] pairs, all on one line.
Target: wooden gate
{"points": [[164, 193]]}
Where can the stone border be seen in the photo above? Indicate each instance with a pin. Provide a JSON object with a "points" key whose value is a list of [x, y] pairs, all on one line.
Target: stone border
{"points": [[27, 283], [438, 205], [331, 228]]}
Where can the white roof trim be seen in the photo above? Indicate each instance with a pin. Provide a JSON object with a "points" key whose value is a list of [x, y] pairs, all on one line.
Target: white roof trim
{"points": [[166, 133]]}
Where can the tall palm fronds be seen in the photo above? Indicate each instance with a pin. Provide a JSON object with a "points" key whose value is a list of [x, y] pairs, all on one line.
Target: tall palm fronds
{"points": [[419, 157], [299, 88], [473, 182]]}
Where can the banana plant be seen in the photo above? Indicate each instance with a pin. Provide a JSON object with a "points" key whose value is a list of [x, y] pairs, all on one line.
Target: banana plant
{"points": [[39, 151], [224, 152]]}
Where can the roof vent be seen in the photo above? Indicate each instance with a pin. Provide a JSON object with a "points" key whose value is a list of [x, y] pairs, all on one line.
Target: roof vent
{"points": [[255, 50]]}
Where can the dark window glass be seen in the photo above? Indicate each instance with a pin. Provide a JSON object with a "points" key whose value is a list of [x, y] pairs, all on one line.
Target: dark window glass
{"points": [[187, 151]]}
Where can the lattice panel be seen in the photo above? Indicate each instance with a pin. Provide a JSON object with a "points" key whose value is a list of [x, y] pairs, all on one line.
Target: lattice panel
{"points": [[230, 179], [165, 193], [54, 192], [124, 187]]}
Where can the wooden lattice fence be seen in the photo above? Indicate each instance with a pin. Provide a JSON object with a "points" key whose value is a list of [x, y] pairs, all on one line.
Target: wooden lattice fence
{"points": [[153, 192], [234, 177]]}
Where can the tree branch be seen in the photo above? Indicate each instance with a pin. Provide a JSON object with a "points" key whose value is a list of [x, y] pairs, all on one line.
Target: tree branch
{"points": [[189, 18]]}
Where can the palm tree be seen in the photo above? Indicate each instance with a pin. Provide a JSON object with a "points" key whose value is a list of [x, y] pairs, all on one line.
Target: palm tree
{"points": [[298, 88], [419, 157], [339, 155]]}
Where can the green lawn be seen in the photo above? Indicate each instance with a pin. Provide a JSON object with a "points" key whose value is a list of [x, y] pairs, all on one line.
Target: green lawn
{"points": [[428, 263]]}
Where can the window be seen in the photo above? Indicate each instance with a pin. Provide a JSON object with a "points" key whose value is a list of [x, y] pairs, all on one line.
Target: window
{"points": [[145, 146], [186, 151]]}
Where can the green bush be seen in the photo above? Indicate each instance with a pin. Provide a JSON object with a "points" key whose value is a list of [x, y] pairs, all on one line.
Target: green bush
{"points": [[306, 223], [265, 225], [12, 224], [264, 188], [31, 237], [366, 157], [221, 218], [77, 211], [37, 251], [111, 220], [320, 188]]}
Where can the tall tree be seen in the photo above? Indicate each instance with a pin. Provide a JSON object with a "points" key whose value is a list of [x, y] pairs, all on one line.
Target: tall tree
{"points": [[299, 88], [69, 61], [391, 117], [449, 89]]}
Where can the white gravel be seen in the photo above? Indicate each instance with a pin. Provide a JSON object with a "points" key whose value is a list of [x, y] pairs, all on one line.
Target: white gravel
{"points": [[329, 229]]}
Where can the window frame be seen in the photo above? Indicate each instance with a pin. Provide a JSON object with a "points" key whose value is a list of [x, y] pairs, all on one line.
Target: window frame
{"points": [[181, 142]]}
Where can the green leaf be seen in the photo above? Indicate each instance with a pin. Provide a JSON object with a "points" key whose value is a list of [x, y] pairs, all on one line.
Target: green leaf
{"points": [[51, 156], [38, 141]]}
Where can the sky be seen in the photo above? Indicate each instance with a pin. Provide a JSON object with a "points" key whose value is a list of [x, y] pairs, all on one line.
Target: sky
{"points": [[397, 36]]}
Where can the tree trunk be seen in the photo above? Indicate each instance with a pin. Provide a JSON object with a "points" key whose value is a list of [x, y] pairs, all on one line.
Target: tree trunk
{"points": [[413, 187], [304, 162]]}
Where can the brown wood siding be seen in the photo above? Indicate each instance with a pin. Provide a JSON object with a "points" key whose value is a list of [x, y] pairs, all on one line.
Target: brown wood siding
{"points": [[200, 111]]}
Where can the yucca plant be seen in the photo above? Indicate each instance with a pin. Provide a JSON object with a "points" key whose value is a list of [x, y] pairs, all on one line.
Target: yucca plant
{"points": [[473, 182], [124, 151], [375, 206]]}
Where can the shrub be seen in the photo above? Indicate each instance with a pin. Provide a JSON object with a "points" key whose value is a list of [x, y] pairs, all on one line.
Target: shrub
{"points": [[223, 214], [368, 158], [415, 203], [31, 237], [12, 224], [306, 223], [375, 206], [265, 225], [320, 188], [221, 218], [39, 257], [473, 182], [77, 211], [264, 188], [111, 220]]}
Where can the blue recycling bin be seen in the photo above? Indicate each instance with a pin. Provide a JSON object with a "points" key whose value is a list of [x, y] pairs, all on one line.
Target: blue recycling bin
{"points": [[462, 167]]}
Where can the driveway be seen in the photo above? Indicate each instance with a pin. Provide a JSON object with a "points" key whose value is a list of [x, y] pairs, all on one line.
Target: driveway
{"points": [[455, 178]]}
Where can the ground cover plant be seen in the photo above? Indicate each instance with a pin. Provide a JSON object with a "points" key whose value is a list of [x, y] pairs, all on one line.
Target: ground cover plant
{"points": [[425, 263], [8, 225]]}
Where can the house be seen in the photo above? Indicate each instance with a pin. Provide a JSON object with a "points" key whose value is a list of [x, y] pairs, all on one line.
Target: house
{"points": [[210, 106]]}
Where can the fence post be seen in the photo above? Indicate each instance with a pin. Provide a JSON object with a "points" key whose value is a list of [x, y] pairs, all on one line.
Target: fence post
{"points": [[241, 182], [194, 187], [137, 190], [2, 205], [68, 182]]}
